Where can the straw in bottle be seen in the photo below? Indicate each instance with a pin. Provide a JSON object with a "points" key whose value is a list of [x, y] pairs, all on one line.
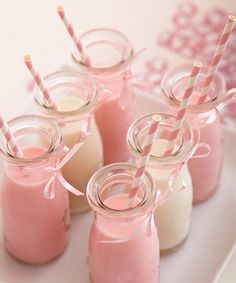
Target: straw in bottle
{"points": [[65, 19], [180, 116], [215, 61], [40, 82], [14, 147], [151, 135]]}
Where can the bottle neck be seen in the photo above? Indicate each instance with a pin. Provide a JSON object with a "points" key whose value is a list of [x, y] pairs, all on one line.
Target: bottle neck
{"points": [[33, 164], [39, 139], [74, 95], [108, 193], [163, 153], [125, 229], [110, 53], [174, 83], [65, 118], [203, 119]]}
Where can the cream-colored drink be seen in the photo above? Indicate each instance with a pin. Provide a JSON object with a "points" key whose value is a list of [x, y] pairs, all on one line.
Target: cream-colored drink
{"points": [[173, 217], [87, 160]]}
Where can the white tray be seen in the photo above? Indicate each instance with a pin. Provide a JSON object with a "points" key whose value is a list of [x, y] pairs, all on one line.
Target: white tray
{"points": [[212, 236]]}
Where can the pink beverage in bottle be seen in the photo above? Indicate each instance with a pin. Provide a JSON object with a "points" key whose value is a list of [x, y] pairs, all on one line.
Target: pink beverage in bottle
{"points": [[123, 244], [36, 229], [205, 172], [110, 53]]}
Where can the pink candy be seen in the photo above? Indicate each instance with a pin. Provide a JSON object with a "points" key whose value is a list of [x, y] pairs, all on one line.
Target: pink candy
{"points": [[180, 20], [187, 9], [191, 38], [157, 64], [164, 38], [215, 19]]}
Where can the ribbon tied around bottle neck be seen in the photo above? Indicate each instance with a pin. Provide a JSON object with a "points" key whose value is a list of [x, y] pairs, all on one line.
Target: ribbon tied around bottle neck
{"points": [[127, 76], [163, 196], [49, 189]]}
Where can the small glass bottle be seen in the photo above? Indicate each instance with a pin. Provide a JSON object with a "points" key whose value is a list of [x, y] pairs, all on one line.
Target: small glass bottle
{"points": [[36, 229], [205, 172], [171, 175], [75, 96], [110, 53], [123, 243]]}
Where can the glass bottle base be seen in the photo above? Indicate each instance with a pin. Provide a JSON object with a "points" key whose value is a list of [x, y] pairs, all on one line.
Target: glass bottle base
{"points": [[205, 197], [36, 263], [78, 210], [175, 248], [78, 204]]}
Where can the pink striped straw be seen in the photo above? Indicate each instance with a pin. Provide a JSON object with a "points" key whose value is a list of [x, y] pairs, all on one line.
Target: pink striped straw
{"points": [[180, 116], [40, 82], [152, 132], [73, 35], [14, 147], [215, 61]]}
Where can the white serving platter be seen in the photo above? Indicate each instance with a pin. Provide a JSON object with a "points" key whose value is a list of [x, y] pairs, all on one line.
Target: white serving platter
{"points": [[199, 260], [227, 271]]}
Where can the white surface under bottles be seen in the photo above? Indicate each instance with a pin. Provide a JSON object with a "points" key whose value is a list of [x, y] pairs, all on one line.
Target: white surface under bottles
{"points": [[200, 259], [227, 272]]}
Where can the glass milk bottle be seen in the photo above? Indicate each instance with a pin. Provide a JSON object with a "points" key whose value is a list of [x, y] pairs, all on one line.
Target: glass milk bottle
{"points": [[110, 53], [123, 243], [171, 175], [205, 172], [35, 228], [75, 97]]}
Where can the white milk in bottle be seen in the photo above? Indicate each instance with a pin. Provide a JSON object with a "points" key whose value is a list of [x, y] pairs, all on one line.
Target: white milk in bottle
{"points": [[75, 96], [171, 175]]}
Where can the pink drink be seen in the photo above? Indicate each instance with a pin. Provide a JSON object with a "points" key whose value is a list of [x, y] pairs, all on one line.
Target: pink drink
{"points": [[123, 252], [113, 122], [35, 229], [205, 172], [111, 54]]}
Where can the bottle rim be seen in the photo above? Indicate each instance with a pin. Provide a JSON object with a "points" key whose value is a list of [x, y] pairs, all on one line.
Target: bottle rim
{"points": [[21, 125], [103, 34], [188, 138], [112, 173], [58, 80], [174, 76]]}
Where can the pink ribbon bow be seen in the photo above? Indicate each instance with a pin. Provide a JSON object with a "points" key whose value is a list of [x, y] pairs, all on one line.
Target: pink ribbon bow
{"points": [[163, 197], [49, 190]]}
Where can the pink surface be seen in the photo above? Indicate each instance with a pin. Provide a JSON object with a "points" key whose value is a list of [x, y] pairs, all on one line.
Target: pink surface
{"points": [[123, 252], [35, 229]]}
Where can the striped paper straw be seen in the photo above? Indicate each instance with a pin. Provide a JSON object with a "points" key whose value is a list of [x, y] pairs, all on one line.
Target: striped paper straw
{"points": [[14, 147], [183, 107], [75, 38], [215, 61], [40, 82], [152, 132]]}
